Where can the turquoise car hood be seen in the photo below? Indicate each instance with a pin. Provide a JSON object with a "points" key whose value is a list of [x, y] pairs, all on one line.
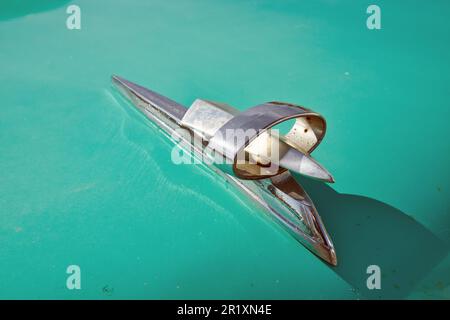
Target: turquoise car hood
{"points": [[85, 181]]}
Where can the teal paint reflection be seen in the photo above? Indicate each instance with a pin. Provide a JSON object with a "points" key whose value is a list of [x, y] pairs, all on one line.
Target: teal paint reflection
{"points": [[18, 8]]}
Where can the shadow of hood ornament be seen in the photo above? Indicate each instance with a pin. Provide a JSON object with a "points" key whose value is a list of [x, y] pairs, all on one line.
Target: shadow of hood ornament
{"points": [[246, 149]]}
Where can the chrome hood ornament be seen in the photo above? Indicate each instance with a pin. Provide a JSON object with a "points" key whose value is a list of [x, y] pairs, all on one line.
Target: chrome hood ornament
{"points": [[246, 150]]}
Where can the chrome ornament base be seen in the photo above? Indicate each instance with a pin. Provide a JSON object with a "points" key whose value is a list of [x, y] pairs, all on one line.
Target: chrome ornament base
{"points": [[261, 174]]}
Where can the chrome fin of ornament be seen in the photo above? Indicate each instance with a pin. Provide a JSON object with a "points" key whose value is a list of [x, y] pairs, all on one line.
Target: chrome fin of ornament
{"points": [[262, 176]]}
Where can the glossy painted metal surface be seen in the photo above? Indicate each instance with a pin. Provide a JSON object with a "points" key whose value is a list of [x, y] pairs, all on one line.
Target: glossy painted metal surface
{"points": [[275, 190], [81, 170]]}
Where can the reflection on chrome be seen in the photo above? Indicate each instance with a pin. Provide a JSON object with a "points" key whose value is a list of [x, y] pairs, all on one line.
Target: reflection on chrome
{"points": [[246, 149]]}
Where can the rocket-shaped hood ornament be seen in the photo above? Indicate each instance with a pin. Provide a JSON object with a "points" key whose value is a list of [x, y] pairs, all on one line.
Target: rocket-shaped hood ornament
{"points": [[246, 149]]}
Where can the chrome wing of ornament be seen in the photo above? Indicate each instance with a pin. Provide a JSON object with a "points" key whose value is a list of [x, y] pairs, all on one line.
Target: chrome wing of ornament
{"points": [[246, 150]]}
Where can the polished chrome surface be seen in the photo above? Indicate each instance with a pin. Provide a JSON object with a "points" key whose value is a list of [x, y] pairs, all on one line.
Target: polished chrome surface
{"points": [[283, 199], [265, 116], [292, 150], [150, 98], [206, 117]]}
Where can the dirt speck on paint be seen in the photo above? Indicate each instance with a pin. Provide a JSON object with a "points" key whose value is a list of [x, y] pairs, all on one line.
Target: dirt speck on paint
{"points": [[108, 290], [440, 285]]}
